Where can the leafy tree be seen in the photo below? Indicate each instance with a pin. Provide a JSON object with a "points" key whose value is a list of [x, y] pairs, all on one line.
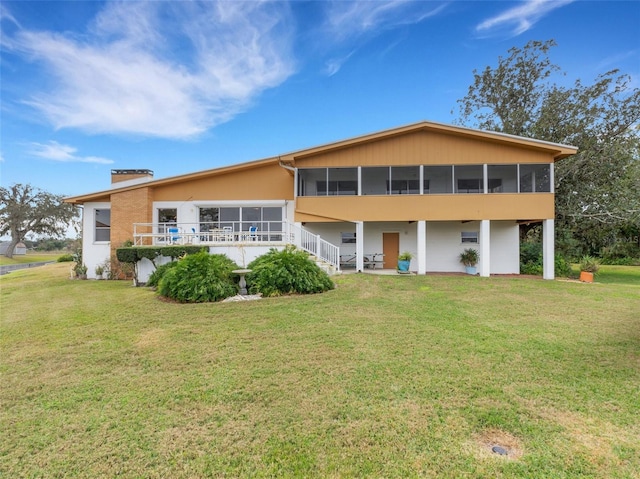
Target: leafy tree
{"points": [[596, 189], [25, 209]]}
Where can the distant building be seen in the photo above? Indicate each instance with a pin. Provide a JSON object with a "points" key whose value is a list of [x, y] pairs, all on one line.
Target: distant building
{"points": [[20, 248]]}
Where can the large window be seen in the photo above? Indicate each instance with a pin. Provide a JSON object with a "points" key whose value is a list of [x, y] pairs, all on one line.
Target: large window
{"points": [[375, 180], [262, 218], [328, 181], [103, 225], [438, 179], [444, 179], [503, 178], [405, 180], [469, 179], [535, 178]]}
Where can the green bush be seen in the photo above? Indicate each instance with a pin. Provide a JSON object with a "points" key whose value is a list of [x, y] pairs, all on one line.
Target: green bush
{"points": [[65, 258], [199, 278], [158, 274], [531, 261], [285, 272]]}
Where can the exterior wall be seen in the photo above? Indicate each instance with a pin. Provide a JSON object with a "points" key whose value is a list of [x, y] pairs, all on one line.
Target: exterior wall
{"points": [[270, 182], [444, 245], [462, 207], [425, 148], [505, 247], [93, 253]]}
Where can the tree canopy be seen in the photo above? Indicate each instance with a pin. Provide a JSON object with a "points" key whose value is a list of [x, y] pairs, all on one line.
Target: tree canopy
{"points": [[596, 188], [25, 209]]}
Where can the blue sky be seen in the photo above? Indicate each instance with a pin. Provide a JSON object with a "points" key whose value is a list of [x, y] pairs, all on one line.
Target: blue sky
{"points": [[178, 87]]}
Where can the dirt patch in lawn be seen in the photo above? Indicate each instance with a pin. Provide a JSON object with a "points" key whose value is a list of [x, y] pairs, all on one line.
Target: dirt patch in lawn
{"points": [[497, 443]]}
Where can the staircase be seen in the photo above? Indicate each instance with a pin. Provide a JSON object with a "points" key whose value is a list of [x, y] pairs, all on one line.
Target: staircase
{"points": [[325, 254]]}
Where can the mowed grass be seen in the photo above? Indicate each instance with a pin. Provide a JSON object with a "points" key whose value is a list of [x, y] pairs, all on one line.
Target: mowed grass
{"points": [[29, 258], [386, 376]]}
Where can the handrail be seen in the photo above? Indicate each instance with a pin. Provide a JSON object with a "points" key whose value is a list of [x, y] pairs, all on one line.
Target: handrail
{"points": [[314, 244]]}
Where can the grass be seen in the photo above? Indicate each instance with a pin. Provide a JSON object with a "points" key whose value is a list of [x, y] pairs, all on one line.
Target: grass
{"points": [[386, 376], [29, 258]]}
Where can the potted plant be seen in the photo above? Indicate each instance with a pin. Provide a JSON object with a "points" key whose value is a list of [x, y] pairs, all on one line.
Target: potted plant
{"points": [[589, 266], [404, 260], [469, 258], [99, 271], [81, 271]]}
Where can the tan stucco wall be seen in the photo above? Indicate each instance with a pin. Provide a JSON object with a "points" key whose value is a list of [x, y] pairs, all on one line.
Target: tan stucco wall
{"points": [[425, 148], [426, 207]]}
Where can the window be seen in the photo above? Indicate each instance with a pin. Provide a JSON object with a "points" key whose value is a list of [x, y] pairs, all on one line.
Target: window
{"points": [[469, 179], [535, 178], [348, 238], [469, 237], [375, 180], [438, 180], [503, 178], [103, 225], [405, 180]]}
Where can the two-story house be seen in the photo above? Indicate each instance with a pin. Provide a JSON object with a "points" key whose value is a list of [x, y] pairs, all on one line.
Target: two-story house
{"points": [[428, 188]]}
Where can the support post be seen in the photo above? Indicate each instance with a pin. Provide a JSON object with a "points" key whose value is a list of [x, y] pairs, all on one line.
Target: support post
{"points": [[485, 248], [359, 246], [422, 247], [548, 249]]}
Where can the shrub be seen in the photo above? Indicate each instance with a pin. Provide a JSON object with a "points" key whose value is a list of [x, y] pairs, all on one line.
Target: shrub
{"points": [[199, 278], [159, 273], [65, 258], [531, 261], [286, 272]]}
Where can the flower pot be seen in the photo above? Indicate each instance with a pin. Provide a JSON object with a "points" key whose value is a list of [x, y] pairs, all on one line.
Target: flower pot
{"points": [[586, 277], [470, 269], [403, 266]]}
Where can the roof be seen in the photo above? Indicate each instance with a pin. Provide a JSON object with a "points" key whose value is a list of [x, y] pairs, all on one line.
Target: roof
{"points": [[558, 150]]}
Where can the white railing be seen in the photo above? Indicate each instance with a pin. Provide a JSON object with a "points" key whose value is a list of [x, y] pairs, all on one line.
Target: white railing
{"points": [[210, 233], [238, 232], [312, 243]]}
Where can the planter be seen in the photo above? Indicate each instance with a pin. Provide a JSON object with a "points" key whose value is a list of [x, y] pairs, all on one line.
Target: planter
{"points": [[586, 277], [403, 266], [471, 270]]}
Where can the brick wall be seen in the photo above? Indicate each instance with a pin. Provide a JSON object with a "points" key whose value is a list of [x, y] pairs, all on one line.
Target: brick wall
{"points": [[128, 207]]}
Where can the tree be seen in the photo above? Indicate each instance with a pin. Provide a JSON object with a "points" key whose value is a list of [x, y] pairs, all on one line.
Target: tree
{"points": [[596, 189], [25, 209]]}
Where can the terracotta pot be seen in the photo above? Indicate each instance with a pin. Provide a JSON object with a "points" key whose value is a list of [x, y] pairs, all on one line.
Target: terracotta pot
{"points": [[586, 277]]}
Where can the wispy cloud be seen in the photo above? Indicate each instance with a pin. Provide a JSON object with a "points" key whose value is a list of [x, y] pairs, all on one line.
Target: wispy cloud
{"points": [[351, 23], [518, 20], [163, 69], [63, 153]]}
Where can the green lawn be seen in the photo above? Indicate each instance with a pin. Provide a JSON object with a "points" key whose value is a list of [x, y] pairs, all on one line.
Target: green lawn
{"points": [[29, 258], [386, 376]]}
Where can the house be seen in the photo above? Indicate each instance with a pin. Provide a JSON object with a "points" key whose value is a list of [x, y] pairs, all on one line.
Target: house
{"points": [[428, 188]]}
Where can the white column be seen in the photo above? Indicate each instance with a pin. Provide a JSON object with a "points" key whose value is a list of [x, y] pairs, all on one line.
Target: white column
{"points": [[548, 249], [422, 247], [485, 248], [359, 246]]}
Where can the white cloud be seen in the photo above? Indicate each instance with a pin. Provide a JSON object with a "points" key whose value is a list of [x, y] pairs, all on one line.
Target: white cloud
{"points": [[355, 18], [521, 18], [164, 69], [63, 153], [351, 23]]}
